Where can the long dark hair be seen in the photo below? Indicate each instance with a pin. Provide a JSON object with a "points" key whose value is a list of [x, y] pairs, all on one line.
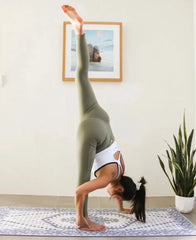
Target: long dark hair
{"points": [[137, 196]]}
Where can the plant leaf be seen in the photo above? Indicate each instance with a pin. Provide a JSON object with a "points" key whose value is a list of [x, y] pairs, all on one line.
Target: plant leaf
{"points": [[177, 167], [189, 143], [180, 141], [191, 192], [163, 167], [184, 129]]}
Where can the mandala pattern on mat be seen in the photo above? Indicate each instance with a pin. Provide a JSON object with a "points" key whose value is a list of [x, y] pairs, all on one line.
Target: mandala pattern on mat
{"points": [[62, 222]]}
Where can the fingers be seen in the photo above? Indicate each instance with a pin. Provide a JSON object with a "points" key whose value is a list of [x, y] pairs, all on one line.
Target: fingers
{"points": [[127, 211]]}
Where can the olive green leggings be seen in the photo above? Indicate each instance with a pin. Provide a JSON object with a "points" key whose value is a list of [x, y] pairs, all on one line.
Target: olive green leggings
{"points": [[94, 132]]}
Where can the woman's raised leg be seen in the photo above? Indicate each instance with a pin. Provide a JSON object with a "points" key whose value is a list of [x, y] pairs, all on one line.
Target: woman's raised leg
{"points": [[87, 100]]}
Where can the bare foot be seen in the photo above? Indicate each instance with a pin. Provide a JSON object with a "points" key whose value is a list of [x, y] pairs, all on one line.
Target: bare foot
{"points": [[83, 224], [94, 225], [74, 18], [87, 225]]}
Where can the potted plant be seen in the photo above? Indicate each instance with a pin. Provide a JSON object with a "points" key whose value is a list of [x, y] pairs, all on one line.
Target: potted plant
{"points": [[182, 169]]}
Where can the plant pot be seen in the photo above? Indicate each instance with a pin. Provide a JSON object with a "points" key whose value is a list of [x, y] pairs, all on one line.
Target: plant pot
{"points": [[184, 204]]}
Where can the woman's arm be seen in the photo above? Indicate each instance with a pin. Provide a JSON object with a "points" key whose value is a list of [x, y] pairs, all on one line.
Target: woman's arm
{"points": [[86, 188]]}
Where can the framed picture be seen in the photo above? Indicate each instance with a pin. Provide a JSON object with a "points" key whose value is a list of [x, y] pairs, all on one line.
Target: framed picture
{"points": [[104, 40]]}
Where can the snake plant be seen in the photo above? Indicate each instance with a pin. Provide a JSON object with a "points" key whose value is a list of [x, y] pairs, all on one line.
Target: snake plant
{"points": [[182, 166]]}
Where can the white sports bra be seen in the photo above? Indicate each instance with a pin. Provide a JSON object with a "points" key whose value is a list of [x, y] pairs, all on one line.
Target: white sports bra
{"points": [[106, 157]]}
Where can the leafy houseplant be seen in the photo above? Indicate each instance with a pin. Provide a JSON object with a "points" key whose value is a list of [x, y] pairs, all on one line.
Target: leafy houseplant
{"points": [[181, 164]]}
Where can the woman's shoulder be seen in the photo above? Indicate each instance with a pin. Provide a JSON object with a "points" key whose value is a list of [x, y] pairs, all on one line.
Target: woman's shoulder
{"points": [[109, 171]]}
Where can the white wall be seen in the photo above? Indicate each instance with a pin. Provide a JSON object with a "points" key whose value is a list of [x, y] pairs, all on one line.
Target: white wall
{"points": [[194, 25], [39, 112]]}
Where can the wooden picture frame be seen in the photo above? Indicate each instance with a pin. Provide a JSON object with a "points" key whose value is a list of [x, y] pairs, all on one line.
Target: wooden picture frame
{"points": [[104, 41]]}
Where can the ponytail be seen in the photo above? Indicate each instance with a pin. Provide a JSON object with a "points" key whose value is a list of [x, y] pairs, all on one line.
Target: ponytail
{"points": [[135, 194], [139, 201]]}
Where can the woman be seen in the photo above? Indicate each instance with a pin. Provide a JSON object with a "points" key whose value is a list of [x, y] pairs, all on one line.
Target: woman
{"points": [[97, 149]]}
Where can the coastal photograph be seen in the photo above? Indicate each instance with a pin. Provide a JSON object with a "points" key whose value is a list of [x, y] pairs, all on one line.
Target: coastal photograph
{"points": [[101, 50]]}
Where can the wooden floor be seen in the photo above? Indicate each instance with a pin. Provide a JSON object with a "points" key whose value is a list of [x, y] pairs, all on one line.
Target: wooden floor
{"points": [[94, 202]]}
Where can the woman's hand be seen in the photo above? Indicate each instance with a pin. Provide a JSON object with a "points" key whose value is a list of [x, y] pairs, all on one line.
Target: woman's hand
{"points": [[123, 210], [126, 211]]}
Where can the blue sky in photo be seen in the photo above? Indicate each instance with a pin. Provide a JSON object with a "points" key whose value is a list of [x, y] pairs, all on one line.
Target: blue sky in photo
{"points": [[104, 39]]}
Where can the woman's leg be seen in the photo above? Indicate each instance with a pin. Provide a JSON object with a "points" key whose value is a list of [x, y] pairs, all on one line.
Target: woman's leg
{"points": [[87, 98], [86, 94], [86, 154], [86, 146]]}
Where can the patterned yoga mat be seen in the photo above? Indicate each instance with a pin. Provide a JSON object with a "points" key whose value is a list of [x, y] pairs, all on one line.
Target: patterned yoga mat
{"points": [[62, 222]]}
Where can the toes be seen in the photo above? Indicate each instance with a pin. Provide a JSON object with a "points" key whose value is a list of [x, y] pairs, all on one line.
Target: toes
{"points": [[103, 228], [92, 228], [64, 8], [70, 8], [67, 8]]}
